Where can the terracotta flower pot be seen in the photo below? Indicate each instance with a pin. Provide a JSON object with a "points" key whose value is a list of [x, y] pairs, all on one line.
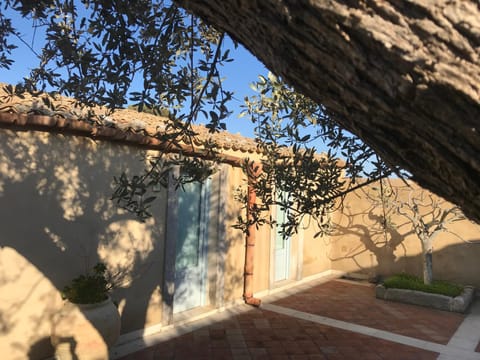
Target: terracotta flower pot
{"points": [[85, 331]]}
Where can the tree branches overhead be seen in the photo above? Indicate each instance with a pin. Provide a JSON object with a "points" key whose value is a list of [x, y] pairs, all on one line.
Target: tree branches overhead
{"points": [[155, 57], [97, 51]]}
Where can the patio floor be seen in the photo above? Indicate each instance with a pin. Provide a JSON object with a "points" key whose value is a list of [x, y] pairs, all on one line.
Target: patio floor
{"points": [[333, 320]]}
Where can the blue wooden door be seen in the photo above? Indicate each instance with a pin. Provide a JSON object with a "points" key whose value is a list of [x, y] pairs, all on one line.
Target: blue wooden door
{"points": [[281, 248], [191, 247]]}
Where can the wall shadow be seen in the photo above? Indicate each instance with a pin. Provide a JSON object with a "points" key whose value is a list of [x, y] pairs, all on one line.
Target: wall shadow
{"points": [[57, 222], [361, 244]]}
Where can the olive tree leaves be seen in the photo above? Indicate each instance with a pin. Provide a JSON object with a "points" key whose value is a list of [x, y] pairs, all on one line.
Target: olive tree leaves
{"points": [[98, 51], [157, 58], [295, 177]]}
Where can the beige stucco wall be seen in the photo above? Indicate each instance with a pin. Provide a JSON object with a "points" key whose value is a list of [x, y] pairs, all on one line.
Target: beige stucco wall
{"points": [[56, 221], [262, 260], [359, 243], [235, 243], [315, 249]]}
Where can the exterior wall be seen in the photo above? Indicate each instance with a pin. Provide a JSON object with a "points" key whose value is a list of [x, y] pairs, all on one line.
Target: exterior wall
{"points": [[359, 244], [262, 259], [57, 221], [315, 250], [228, 251], [234, 241]]}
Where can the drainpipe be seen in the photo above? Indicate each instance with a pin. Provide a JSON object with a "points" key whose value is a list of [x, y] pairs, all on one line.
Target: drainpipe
{"points": [[253, 170]]}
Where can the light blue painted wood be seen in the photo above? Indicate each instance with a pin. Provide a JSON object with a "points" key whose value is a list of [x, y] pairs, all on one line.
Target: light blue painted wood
{"points": [[282, 247], [168, 290], [191, 246]]}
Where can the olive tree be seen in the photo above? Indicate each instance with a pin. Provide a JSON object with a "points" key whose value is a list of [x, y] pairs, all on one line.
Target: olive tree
{"points": [[426, 215]]}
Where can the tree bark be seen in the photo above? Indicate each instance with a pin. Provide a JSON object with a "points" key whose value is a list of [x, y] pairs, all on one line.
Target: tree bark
{"points": [[403, 75], [427, 261], [428, 268]]}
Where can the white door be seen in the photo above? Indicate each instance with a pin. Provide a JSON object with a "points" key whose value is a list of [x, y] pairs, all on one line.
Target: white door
{"points": [[191, 247], [281, 248]]}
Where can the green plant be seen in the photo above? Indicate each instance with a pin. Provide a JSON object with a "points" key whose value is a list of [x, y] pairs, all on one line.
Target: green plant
{"points": [[90, 288], [411, 282]]}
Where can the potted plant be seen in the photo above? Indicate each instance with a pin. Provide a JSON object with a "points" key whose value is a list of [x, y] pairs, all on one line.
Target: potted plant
{"points": [[88, 323]]}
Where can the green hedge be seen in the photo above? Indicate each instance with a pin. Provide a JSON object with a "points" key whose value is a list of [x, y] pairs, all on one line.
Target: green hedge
{"points": [[411, 282]]}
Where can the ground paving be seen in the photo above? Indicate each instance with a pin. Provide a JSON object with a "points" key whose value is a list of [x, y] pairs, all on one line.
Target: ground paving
{"points": [[357, 304], [333, 320]]}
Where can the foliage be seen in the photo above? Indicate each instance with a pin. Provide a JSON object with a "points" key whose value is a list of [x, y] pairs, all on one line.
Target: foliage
{"points": [[411, 282], [288, 125], [283, 117], [90, 288], [95, 50], [136, 194], [98, 51]]}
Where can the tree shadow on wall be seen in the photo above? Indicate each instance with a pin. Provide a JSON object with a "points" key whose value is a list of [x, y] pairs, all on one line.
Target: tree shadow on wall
{"points": [[360, 235], [363, 242], [57, 222]]}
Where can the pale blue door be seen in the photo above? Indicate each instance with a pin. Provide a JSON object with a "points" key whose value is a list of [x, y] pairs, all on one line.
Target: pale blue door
{"points": [[191, 247], [281, 248]]}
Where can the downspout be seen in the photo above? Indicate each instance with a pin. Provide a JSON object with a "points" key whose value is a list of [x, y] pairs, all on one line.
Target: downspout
{"points": [[252, 170]]}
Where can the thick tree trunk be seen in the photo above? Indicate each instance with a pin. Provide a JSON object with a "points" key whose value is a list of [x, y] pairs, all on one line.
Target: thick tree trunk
{"points": [[403, 75]]}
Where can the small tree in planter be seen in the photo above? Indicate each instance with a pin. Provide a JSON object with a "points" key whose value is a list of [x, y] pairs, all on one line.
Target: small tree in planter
{"points": [[428, 219], [89, 322], [427, 215]]}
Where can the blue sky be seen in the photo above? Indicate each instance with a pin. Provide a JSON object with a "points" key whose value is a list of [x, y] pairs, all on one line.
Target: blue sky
{"points": [[238, 74]]}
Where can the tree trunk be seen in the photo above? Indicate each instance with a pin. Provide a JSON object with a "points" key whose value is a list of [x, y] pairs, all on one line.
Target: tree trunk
{"points": [[402, 75], [427, 267]]}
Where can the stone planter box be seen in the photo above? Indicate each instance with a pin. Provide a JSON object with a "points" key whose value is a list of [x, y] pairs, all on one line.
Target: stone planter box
{"points": [[458, 304]]}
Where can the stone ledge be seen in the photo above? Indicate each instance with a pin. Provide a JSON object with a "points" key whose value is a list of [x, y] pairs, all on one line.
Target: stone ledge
{"points": [[458, 304]]}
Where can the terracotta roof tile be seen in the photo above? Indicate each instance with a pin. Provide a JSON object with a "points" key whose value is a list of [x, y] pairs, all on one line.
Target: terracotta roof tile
{"points": [[32, 111]]}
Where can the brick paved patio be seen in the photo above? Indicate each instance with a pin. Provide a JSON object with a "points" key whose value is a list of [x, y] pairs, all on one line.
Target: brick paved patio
{"points": [[263, 334], [357, 304]]}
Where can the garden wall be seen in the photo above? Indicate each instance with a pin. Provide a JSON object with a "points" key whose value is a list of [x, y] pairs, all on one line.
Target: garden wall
{"points": [[360, 244], [57, 221]]}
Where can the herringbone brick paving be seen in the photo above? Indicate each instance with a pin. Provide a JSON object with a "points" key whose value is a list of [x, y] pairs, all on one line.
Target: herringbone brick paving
{"points": [[261, 334]]}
